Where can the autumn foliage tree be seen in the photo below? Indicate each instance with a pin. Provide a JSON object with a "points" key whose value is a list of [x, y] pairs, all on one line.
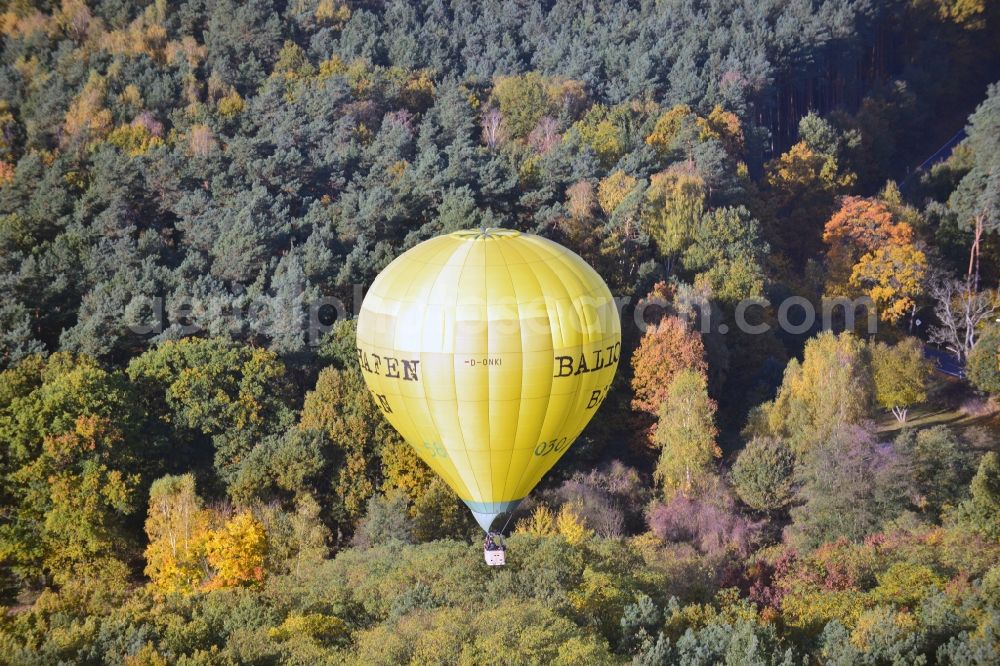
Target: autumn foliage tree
{"points": [[368, 455], [900, 372], [829, 389], [192, 547], [725, 126], [69, 469], [799, 192], [893, 277], [672, 210], [86, 495], [604, 130], [524, 100], [677, 129], [613, 189], [869, 250], [665, 350], [685, 434], [566, 523], [236, 551], [87, 119], [177, 526], [859, 226]]}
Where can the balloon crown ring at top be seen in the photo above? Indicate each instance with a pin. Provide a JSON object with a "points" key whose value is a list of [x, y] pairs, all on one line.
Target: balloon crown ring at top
{"points": [[486, 233]]}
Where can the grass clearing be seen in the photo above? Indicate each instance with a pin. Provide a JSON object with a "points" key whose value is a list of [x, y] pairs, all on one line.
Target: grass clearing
{"points": [[944, 406]]}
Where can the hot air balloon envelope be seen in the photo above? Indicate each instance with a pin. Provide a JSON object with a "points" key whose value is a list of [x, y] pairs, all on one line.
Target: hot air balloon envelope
{"points": [[489, 351]]}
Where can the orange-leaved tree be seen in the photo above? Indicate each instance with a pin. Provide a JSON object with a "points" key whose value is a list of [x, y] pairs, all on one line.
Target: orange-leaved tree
{"points": [[665, 350], [872, 252], [859, 226]]}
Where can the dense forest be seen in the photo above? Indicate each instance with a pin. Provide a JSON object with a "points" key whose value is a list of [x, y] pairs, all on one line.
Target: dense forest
{"points": [[195, 194]]}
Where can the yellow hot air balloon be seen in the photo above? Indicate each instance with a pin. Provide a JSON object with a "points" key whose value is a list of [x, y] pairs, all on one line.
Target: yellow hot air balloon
{"points": [[489, 351]]}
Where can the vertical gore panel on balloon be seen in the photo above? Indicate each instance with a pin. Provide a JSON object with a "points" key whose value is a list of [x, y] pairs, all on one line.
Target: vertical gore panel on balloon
{"points": [[446, 285], [474, 418], [439, 376], [503, 422], [448, 425], [537, 369]]}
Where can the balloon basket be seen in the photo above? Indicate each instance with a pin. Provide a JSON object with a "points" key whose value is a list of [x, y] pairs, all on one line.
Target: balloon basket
{"points": [[495, 558], [495, 550]]}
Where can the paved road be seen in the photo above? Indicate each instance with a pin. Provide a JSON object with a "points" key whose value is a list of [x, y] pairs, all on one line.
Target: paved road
{"points": [[944, 362]]}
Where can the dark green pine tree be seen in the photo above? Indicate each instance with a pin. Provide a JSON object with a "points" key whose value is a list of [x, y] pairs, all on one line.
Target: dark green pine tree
{"points": [[283, 315]]}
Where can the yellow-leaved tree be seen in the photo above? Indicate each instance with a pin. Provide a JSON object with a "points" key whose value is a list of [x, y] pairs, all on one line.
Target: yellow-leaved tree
{"points": [[799, 192], [725, 127], [670, 126], [542, 522], [830, 388], [236, 551], [900, 373], [87, 119], [603, 128], [613, 189], [686, 434], [672, 210], [178, 527], [571, 526], [893, 277], [567, 523]]}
